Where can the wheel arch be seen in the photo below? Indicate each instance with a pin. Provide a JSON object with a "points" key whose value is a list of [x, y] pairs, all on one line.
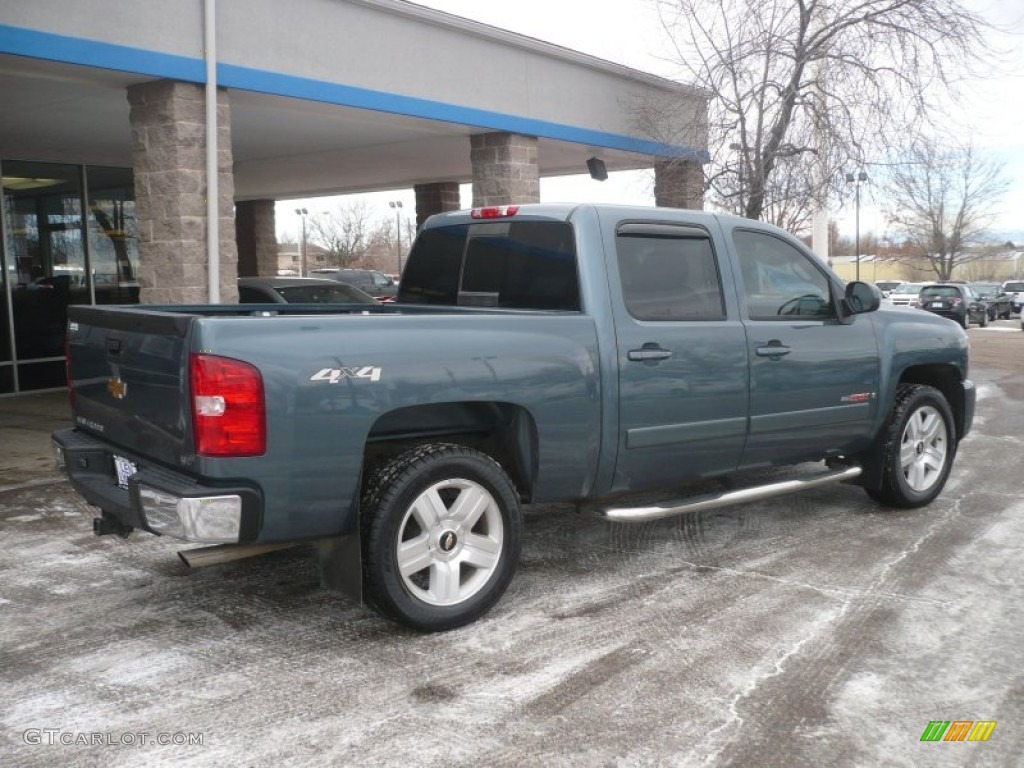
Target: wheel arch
{"points": [[943, 377], [507, 432], [946, 379]]}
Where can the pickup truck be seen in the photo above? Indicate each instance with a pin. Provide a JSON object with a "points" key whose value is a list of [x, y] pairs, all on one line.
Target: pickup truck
{"points": [[536, 353]]}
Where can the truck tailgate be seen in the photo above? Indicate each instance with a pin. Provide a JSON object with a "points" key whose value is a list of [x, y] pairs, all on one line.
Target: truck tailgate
{"points": [[128, 375]]}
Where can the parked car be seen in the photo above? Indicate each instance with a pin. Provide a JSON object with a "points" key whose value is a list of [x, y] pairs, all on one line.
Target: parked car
{"points": [[887, 286], [955, 301], [999, 302], [1015, 289], [299, 290], [382, 287], [905, 294]]}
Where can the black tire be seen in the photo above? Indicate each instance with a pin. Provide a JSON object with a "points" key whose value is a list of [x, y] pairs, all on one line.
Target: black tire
{"points": [[966, 321], [919, 443], [428, 562], [984, 320]]}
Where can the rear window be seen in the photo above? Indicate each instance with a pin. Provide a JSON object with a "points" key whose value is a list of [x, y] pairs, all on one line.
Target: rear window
{"points": [[324, 294], [507, 264], [1014, 287], [941, 292]]}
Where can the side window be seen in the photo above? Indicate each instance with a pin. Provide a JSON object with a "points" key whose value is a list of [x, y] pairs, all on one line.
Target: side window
{"points": [[780, 281], [666, 277], [248, 295]]}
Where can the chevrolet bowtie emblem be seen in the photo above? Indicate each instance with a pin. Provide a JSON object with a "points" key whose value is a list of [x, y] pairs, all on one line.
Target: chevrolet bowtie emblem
{"points": [[117, 388]]}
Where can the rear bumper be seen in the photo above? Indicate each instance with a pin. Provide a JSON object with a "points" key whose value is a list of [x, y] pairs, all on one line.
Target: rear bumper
{"points": [[156, 499]]}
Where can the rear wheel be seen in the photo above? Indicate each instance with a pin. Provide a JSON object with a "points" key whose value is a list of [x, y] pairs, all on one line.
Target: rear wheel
{"points": [[919, 445], [441, 536]]}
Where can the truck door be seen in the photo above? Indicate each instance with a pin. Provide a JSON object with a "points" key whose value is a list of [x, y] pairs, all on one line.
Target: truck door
{"points": [[813, 380], [681, 354]]}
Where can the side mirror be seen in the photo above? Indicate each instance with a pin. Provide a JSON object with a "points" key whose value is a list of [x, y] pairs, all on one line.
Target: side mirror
{"points": [[861, 297]]}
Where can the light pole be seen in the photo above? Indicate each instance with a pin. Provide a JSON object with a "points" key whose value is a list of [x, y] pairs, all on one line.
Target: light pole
{"points": [[735, 147], [861, 176], [302, 212], [397, 205]]}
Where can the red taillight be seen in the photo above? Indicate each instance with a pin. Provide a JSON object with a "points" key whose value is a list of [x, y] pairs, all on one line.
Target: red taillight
{"points": [[228, 411], [494, 212]]}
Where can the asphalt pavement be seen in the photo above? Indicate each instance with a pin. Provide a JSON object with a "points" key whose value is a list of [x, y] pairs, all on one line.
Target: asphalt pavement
{"points": [[811, 630]]}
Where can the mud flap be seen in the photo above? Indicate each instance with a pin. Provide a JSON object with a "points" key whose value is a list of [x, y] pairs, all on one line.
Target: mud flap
{"points": [[341, 565]]}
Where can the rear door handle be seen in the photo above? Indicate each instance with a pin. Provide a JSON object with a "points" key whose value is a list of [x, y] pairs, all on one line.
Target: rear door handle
{"points": [[773, 349], [648, 354]]}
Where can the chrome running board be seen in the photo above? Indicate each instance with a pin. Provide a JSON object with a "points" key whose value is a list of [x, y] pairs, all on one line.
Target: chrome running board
{"points": [[722, 499]]}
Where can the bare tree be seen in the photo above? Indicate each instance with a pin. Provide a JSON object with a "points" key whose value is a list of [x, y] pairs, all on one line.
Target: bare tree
{"points": [[345, 233], [802, 89], [941, 201]]}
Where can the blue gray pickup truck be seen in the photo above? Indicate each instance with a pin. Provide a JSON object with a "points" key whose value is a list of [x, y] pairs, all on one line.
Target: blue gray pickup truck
{"points": [[535, 353]]}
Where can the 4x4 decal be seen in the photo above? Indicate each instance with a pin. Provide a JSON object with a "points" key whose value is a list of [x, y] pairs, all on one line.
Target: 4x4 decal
{"points": [[334, 375]]}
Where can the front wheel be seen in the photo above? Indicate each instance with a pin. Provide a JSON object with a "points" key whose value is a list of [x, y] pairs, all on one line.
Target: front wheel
{"points": [[984, 320], [919, 446], [441, 536]]}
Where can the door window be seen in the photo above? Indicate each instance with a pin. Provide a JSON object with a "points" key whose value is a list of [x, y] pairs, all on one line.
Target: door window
{"points": [[780, 281], [668, 273]]}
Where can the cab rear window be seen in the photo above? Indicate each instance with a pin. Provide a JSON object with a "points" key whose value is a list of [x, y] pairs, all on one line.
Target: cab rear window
{"points": [[511, 265]]}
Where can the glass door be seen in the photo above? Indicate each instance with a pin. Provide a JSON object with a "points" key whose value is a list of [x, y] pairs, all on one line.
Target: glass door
{"points": [[45, 264]]}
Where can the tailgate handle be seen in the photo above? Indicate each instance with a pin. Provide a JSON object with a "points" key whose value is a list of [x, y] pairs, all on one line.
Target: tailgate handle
{"points": [[114, 346]]}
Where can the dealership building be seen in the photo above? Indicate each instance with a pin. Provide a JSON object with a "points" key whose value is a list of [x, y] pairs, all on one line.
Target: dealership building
{"points": [[143, 145]]}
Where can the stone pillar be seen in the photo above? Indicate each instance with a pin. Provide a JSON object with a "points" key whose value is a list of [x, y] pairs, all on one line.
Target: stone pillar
{"points": [[168, 121], [256, 236], [679, 184], [436, 198], [505, 169]]}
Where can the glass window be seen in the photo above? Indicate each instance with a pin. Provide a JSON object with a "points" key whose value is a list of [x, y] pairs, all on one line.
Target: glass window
{"points": [[45, 254], [514, 265], [779, 280], [58, 252], [431, 274], [113, 235], [341, 293], [669, 277], [941, 291]]}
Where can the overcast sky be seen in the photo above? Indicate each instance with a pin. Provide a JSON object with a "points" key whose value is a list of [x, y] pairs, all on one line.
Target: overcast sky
{"points": [[627, 32]]}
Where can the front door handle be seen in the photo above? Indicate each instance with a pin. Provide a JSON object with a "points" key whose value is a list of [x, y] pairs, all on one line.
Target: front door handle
{"points": [[649, 353], [773, 349]]}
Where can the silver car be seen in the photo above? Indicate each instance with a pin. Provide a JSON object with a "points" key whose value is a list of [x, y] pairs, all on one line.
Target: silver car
{"points": [[1015, 288], [905, 294]]}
